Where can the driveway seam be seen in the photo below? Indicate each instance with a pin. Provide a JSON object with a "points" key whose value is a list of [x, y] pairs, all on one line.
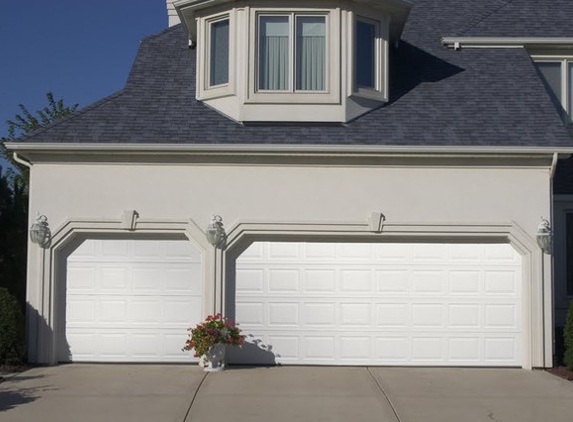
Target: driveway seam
{"points": [[195, 396], [385, 395]]}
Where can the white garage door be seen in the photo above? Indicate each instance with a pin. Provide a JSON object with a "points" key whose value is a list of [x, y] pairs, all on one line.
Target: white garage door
{"points": [[382, 304], [131, 300]]}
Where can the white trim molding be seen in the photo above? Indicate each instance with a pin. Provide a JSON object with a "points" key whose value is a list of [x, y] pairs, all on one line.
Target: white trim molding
{"points": [[279, 149], [44, 316], [537, 312], [505, 42]]}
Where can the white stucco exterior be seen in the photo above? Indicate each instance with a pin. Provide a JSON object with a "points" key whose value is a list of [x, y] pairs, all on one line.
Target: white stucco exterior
{"points": [[490, 197]]}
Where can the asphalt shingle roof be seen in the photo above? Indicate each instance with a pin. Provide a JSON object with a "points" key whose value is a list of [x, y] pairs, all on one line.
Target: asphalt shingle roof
{"points": [[438, 96]]}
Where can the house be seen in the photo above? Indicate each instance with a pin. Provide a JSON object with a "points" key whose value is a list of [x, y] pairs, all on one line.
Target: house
{"points": [[380, 169]]}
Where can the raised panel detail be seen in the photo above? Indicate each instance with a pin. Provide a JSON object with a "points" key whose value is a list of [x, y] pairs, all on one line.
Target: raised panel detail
{"points": [[131, 300]]}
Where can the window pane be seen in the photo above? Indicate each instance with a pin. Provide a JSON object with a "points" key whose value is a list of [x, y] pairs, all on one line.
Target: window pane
{"points": [[571, 91], [551, 75], [274, 53], [365, 54], [219, 53], [569, 251], [311, 53]]}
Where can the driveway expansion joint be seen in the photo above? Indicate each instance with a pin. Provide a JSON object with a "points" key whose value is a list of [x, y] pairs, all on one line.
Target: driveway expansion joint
{"points": [[194, 397], [385, 395]]}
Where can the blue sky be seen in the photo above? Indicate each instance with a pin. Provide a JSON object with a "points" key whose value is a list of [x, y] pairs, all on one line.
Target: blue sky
{"points": [[80, 50]]}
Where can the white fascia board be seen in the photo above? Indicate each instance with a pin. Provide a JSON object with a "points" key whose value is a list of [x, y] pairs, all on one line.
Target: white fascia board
{"points": [[285, 150], [505, 42], [186, 10]]}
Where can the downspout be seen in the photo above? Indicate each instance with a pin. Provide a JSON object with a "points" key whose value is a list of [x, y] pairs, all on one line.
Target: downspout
{"points": [[19, 160], [554, 166], [544, 334]]}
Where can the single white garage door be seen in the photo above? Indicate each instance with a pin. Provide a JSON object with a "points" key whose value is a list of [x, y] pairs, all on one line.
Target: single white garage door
{"points": [[131, 300], [382, 304]]}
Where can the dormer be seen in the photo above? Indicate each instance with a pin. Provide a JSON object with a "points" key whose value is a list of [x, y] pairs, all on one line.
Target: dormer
{"points": [[292, 60]]}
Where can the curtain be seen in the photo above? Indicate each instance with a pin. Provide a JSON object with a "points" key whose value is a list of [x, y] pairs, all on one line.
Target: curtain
{"points": [[219, 53], [311, 54], [274, 53], [365, 54], [570, 92]]}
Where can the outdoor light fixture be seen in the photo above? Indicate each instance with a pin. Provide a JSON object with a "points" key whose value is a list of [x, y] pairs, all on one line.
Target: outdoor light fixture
{"points": [[215, 231], [40, 232], [544, 236]]}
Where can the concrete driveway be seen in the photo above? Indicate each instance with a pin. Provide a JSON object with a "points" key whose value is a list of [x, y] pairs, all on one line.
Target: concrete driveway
{"points": [[184, 393]]}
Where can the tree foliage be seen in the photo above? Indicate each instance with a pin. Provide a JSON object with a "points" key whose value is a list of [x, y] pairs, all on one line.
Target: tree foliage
{"points": [[568, 337], [13, 234], [26, 122], [14, 196], [12, 341]]}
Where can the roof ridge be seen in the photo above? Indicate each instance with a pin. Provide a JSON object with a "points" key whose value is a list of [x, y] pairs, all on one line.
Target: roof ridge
{"points": [[73, 115], [485, 16]]}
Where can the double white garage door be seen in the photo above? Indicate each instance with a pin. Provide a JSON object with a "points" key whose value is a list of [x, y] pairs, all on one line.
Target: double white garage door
{"points": [[312, 303]]}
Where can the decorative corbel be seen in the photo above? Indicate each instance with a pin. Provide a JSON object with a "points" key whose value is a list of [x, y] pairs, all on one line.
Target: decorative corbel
{"points": [[376, 222], [129, 219]]}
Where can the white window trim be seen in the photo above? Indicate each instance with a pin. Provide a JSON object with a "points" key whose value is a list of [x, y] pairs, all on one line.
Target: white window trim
{"points": [[204, 90], [331, 94], [565, 61], [380, 90]]}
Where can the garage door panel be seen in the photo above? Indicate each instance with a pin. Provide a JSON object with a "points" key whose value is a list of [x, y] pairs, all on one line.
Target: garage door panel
{"points": [[422, 305], [132, 307]]}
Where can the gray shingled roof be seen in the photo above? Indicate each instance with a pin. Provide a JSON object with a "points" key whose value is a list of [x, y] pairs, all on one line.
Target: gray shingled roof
{"points": [[524, 18], [438, 96]]}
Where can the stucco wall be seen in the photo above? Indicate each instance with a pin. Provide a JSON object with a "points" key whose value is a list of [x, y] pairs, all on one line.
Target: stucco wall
{"points": [[290, 193]]}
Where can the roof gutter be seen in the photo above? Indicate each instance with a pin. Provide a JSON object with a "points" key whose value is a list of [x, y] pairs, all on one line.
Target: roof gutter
{"points": [[19, 160], [286, 149], [505, 42]]}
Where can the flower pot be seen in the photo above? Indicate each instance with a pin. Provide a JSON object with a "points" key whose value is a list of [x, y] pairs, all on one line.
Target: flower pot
{"points": [[214, 360]]}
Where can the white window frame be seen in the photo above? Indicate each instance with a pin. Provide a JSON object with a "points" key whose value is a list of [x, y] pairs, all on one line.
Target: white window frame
{"points": [[204, 88], [332, 92], [380, 90], [566, 61]]}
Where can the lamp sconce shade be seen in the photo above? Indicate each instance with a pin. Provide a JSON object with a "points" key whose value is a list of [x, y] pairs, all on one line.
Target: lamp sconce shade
{"points": [[215, 231], [40, 232], [545, 236]]}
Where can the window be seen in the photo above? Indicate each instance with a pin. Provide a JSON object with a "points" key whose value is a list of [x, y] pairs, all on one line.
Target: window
{"points": [[292, 52], [557, 75], [365, 54], [218, 52], [569, 252], [369, 59]]}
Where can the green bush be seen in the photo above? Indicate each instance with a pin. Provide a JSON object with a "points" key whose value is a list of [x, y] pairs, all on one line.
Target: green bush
{"points": [[12, 341], [568, 337]]}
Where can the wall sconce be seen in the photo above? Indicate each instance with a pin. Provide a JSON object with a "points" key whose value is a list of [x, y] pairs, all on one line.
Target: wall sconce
{"points": [[40, 232], [544, 236], [215, 231]]}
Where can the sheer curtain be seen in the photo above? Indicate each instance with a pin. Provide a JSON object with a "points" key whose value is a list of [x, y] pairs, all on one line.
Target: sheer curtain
{"points": [[311, 53], [571, 91], [274, 53]]}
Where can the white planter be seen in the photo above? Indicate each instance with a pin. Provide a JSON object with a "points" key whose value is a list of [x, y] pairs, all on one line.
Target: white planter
{"points": [[214, 360]]}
